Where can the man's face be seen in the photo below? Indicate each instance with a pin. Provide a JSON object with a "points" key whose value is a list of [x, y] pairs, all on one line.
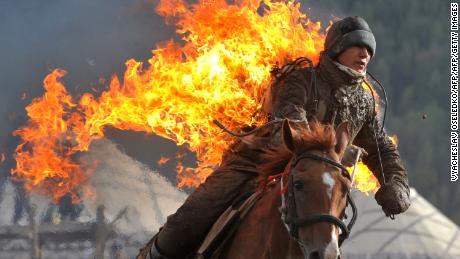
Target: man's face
{"points": [[356, 58]]}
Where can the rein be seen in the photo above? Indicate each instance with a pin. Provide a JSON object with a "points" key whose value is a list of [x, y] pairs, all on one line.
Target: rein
{"points": [[244, 134], [289, 214]]}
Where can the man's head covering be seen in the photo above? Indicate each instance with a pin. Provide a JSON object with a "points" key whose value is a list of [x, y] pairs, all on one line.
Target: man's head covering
{"points": [[349, 32]]}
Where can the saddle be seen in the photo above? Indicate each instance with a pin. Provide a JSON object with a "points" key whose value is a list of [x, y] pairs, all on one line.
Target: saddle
{"points": [[224, 228]]}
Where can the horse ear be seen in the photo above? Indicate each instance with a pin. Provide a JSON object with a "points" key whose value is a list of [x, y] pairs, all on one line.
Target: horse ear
{"points": [[342, 138], [288, 135]]}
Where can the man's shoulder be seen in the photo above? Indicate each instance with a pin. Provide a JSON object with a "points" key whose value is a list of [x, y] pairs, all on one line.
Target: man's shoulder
{"points": [[296, 69]]}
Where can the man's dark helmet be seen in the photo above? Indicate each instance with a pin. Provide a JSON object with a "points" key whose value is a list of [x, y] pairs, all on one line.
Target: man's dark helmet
{"points": [[349, 32]]}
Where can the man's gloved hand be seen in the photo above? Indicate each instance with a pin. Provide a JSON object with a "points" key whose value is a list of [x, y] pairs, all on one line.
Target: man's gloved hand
{"points": [[393, 198], [349, 157]]}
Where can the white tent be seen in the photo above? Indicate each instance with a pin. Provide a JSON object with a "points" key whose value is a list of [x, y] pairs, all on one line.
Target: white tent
{"points": [[421, 232], [120, 181]]}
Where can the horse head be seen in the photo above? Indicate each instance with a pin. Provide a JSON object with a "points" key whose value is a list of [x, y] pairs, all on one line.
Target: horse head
{"points": [[317, 188]]}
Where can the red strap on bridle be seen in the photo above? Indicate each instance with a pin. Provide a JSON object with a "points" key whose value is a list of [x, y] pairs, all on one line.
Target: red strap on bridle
{"points": [[283, 175], [273, 177]]}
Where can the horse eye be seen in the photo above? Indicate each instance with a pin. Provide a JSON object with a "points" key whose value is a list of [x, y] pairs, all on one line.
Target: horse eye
{"points": [[298, 185]]}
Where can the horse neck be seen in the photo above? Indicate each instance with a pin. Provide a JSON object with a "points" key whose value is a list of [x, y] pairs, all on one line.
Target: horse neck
{"points": [[280, 241], [265, 230], [271, 201]]}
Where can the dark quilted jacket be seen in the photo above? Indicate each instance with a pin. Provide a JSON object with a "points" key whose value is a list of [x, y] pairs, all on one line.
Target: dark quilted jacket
{"points": [[341, 97]]}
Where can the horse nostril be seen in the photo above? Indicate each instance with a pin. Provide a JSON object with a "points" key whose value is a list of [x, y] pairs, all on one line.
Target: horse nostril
{"points": [[314, 255]]}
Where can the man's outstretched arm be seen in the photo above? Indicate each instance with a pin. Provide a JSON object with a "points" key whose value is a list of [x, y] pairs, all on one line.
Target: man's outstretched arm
{"points": [[393, 195]]}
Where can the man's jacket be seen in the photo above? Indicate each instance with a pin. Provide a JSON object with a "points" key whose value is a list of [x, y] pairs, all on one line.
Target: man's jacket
{"points": [[339, 97]]}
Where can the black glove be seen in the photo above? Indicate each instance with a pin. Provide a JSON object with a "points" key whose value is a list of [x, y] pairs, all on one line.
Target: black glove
{"points": [[393, 198]]}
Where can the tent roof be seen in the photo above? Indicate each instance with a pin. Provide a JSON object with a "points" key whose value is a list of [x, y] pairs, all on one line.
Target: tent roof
{"points": [[119, 181], [421, 231]]}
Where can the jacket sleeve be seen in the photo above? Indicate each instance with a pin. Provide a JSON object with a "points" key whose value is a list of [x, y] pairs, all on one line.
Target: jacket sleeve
{"points": [[393, 168], [289, 101]]}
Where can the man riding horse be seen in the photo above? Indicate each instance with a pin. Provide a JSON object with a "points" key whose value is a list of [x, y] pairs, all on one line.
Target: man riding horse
{"points": [[331, 93]]}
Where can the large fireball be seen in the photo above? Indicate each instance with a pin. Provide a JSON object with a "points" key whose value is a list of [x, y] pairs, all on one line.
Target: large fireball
{"points": [[220, 71]]}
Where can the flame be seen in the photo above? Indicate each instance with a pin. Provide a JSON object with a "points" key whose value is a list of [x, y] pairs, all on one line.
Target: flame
{"points": [[180, 155], [220, 72], [394, 140], [364, 180], [44, 160], [163, 160], [368, 87]]}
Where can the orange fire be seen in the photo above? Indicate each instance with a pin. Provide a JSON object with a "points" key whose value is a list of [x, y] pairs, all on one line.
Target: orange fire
{"points": [[220, 72], [163, 160], [45, 158], [363, 179], [394, 140], [180, 155], [367, 86]]}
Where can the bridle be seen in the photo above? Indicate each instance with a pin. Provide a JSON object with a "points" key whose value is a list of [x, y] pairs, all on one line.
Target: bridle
{"points": [[289, 213]]}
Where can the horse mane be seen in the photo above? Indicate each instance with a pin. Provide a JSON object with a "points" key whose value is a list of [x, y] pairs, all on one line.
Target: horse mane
{"points": [[318, 137]]}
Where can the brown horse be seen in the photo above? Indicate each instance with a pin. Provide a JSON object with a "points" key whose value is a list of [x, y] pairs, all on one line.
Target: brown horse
{"points": [[305, 219]]}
